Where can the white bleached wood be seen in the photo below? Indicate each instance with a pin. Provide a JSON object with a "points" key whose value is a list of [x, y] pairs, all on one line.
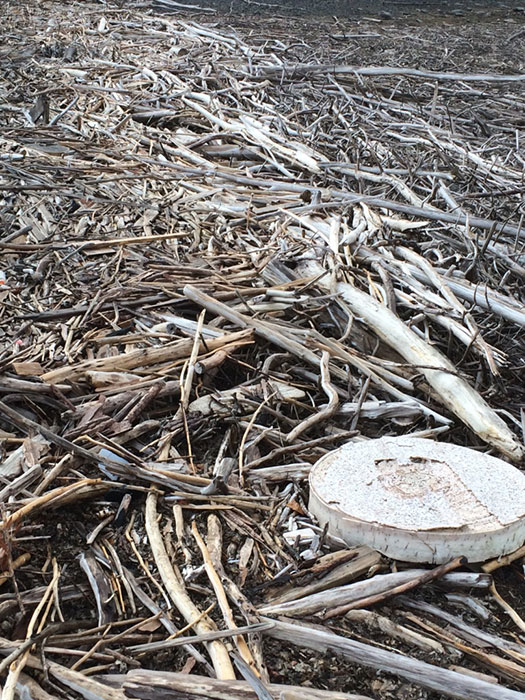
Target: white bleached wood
{"points": [[455, 393], [179, 595], [448, 683]]}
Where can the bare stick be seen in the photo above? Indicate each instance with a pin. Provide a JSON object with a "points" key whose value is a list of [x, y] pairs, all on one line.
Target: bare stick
{"points": [[215, 581], [304, 68], [17, 665], [328, 410], [179, 595], [448, 683], [142, 358], [397, 590]]}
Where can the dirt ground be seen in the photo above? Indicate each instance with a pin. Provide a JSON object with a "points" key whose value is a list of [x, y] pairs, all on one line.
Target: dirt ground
{"points": [[458, 34], [357, 9]]}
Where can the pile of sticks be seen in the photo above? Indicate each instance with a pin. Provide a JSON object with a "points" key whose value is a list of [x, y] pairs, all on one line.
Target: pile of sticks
{"points": [[224, 255]]}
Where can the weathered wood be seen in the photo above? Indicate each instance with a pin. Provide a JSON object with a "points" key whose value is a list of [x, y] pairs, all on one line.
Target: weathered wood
{"points": [[163, 180], [159, 685], [448, 683], [316, 68], [142, 358]]}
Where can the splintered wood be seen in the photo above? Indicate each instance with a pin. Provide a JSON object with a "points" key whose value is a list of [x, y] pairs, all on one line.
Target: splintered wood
{"points": [[223, 254]]}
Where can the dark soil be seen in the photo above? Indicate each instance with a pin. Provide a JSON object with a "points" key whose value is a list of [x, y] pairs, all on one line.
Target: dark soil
{"points": [[352, 9]]}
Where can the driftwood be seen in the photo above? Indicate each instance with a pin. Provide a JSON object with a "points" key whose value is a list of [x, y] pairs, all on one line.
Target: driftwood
{"points": [[179, 595], [225, 253], [315, 68], [150, 685], [440, 374], [448, 683], [141, 358], [339, 599]]}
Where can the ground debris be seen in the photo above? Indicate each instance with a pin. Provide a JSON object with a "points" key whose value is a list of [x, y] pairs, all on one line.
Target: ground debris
{"points": [[229, 245]]}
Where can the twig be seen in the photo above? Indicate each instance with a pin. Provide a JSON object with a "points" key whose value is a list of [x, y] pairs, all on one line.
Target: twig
{"points": [[178, 594], [328, 410], [17, 665]]}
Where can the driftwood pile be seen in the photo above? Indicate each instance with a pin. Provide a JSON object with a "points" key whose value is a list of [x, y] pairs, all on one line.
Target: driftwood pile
{"points": [[222, 258]]}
